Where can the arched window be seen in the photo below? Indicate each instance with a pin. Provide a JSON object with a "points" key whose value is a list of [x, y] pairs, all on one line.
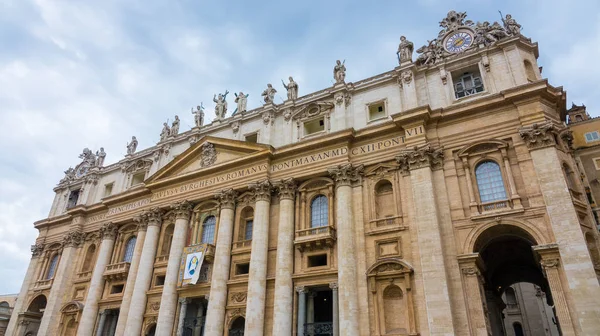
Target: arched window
{"points": [[208, 230], [52, 267], [248, 229], [319, 211], [518, 329], [88, 262], [4, 304], [511, 297], [129, 247], [393, 306], [167, 237], [489, 182]]}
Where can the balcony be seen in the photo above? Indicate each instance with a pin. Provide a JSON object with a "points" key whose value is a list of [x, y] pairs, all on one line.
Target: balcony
{"points": [[162, 260], [117, 271], [242, 245], [83, 276], [315, 238], [43, 284], [318, 329], [387, 224]]}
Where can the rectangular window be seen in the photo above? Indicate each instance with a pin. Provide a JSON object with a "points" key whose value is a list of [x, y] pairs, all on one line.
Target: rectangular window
{"points": [[138, 178], [108, 189], [377, 111], [248, 230], [160, 281], [314, 126], [597, 163], [116, 289], [252, 138], [73, 198], [317, 260], [241, 269], [467, 82], [592, 136]]}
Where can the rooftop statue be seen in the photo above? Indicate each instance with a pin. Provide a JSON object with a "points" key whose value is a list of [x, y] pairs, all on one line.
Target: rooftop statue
{"points": [[242, 100], [339, 72], [175, 126], [292, 89], [132, 146], [100, 156], [269, 94], [164, 134], [198, 115], [511, 25], [221, 105], [488, 34], [430, 53], [405, 50]]}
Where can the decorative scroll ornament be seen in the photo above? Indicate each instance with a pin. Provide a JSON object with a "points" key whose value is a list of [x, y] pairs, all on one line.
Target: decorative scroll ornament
{"points": [[550, 263], [389, 267], [226, 198], [182, 209], [346, 174], [470, 271], [108, 231], [209, 155], [453, 21], [37, 249], [286, 188], [261, 190], [239, 297], [420, 157], [539, 135], [73, 238]]}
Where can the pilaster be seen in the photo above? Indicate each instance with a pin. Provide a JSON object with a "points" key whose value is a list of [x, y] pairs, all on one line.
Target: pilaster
{"points": [[471, 267]]}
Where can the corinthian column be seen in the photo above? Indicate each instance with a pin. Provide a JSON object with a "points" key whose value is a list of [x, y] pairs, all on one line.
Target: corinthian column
{"points": [[108, 231], [284, 289], [36, 251], [62, 278], [419, 162], [257, 279], [344, 175], [215, 316], [137, 307], [133, 268], [168, 301], [578, 270]]}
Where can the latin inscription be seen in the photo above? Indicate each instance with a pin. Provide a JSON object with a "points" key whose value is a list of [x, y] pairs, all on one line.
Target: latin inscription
{"points": [[209, 182], [411, 132], [305, 160], [128, 207], [377, 146], [95, 218]]}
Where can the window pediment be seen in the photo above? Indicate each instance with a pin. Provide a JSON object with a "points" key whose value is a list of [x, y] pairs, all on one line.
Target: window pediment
{"points": [[389, 266], [312, 110], [482, 147]]}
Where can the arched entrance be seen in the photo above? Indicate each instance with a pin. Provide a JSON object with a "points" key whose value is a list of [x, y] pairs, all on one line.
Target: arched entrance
{"points": [[151, 330], [505, 260], [30, 320], [237, 327]]}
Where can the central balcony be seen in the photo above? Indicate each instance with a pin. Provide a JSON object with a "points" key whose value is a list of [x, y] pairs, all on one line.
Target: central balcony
{"points": [[315, 238], [117, 271]]}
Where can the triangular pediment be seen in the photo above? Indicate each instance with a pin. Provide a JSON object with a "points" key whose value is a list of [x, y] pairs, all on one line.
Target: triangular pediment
{"points": [[208, 153]]}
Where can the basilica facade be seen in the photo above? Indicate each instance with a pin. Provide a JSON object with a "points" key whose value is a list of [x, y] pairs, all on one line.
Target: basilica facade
{"points": [[407, 203]]}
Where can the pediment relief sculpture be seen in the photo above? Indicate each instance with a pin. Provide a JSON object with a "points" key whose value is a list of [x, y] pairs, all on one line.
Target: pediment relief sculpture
{"points": [[208, 156], [389, 265], [312, 110], [88, 163]]}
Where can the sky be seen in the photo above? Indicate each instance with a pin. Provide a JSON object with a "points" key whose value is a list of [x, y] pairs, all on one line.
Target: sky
{"points": [[77, 74]]}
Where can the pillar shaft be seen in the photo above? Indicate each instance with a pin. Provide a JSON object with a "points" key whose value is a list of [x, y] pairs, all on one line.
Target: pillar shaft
{"points": [[334, 302], [168, 302], [284, 286], [61, 282], [143, 279], [131, 275], [301, 310], [472, 283], [101, 323], [90, 310], [182, 312], [257, 279], [20, 304], [215, 316]]}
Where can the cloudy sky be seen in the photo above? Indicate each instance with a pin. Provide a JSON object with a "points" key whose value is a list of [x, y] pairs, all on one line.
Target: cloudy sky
{"points": [[77, 74]]}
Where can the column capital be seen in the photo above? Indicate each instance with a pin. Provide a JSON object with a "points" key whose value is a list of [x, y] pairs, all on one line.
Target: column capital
{"points": [[141, 224], [182, 209], [73, 238], [261, 190], [184, 300], [226, 198], [539, 136], [286, 188], [36, 250], [333, 286], [152, 217], [301, 289], [108, 231], [346, 174], [420, 157]]}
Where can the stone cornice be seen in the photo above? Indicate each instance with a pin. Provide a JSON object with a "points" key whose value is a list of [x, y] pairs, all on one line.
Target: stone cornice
{"points": [[108, 231], [346, 174], [420, 157], [539, 136], [182, 210], [261, 190], [226, 198], [286, 188]]}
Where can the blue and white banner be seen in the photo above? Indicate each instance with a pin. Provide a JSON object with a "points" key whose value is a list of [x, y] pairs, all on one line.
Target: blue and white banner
{"points": [[193, 263]]}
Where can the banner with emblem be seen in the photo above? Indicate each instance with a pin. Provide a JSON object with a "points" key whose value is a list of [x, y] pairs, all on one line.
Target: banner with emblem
{"points": [[192, 261]]}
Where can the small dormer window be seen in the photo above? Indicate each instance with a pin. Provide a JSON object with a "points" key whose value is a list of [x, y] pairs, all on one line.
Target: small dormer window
{"points": [[138, 178], [314, 126], [73, 198], [469, 83], [377, 111]]}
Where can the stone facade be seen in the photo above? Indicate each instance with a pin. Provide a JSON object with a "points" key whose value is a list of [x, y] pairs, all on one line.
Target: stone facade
{"points": [[402, 204]]}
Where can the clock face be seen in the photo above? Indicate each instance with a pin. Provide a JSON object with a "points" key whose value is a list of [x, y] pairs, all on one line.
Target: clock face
{"points": [[81, 171], [458, 42]]}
